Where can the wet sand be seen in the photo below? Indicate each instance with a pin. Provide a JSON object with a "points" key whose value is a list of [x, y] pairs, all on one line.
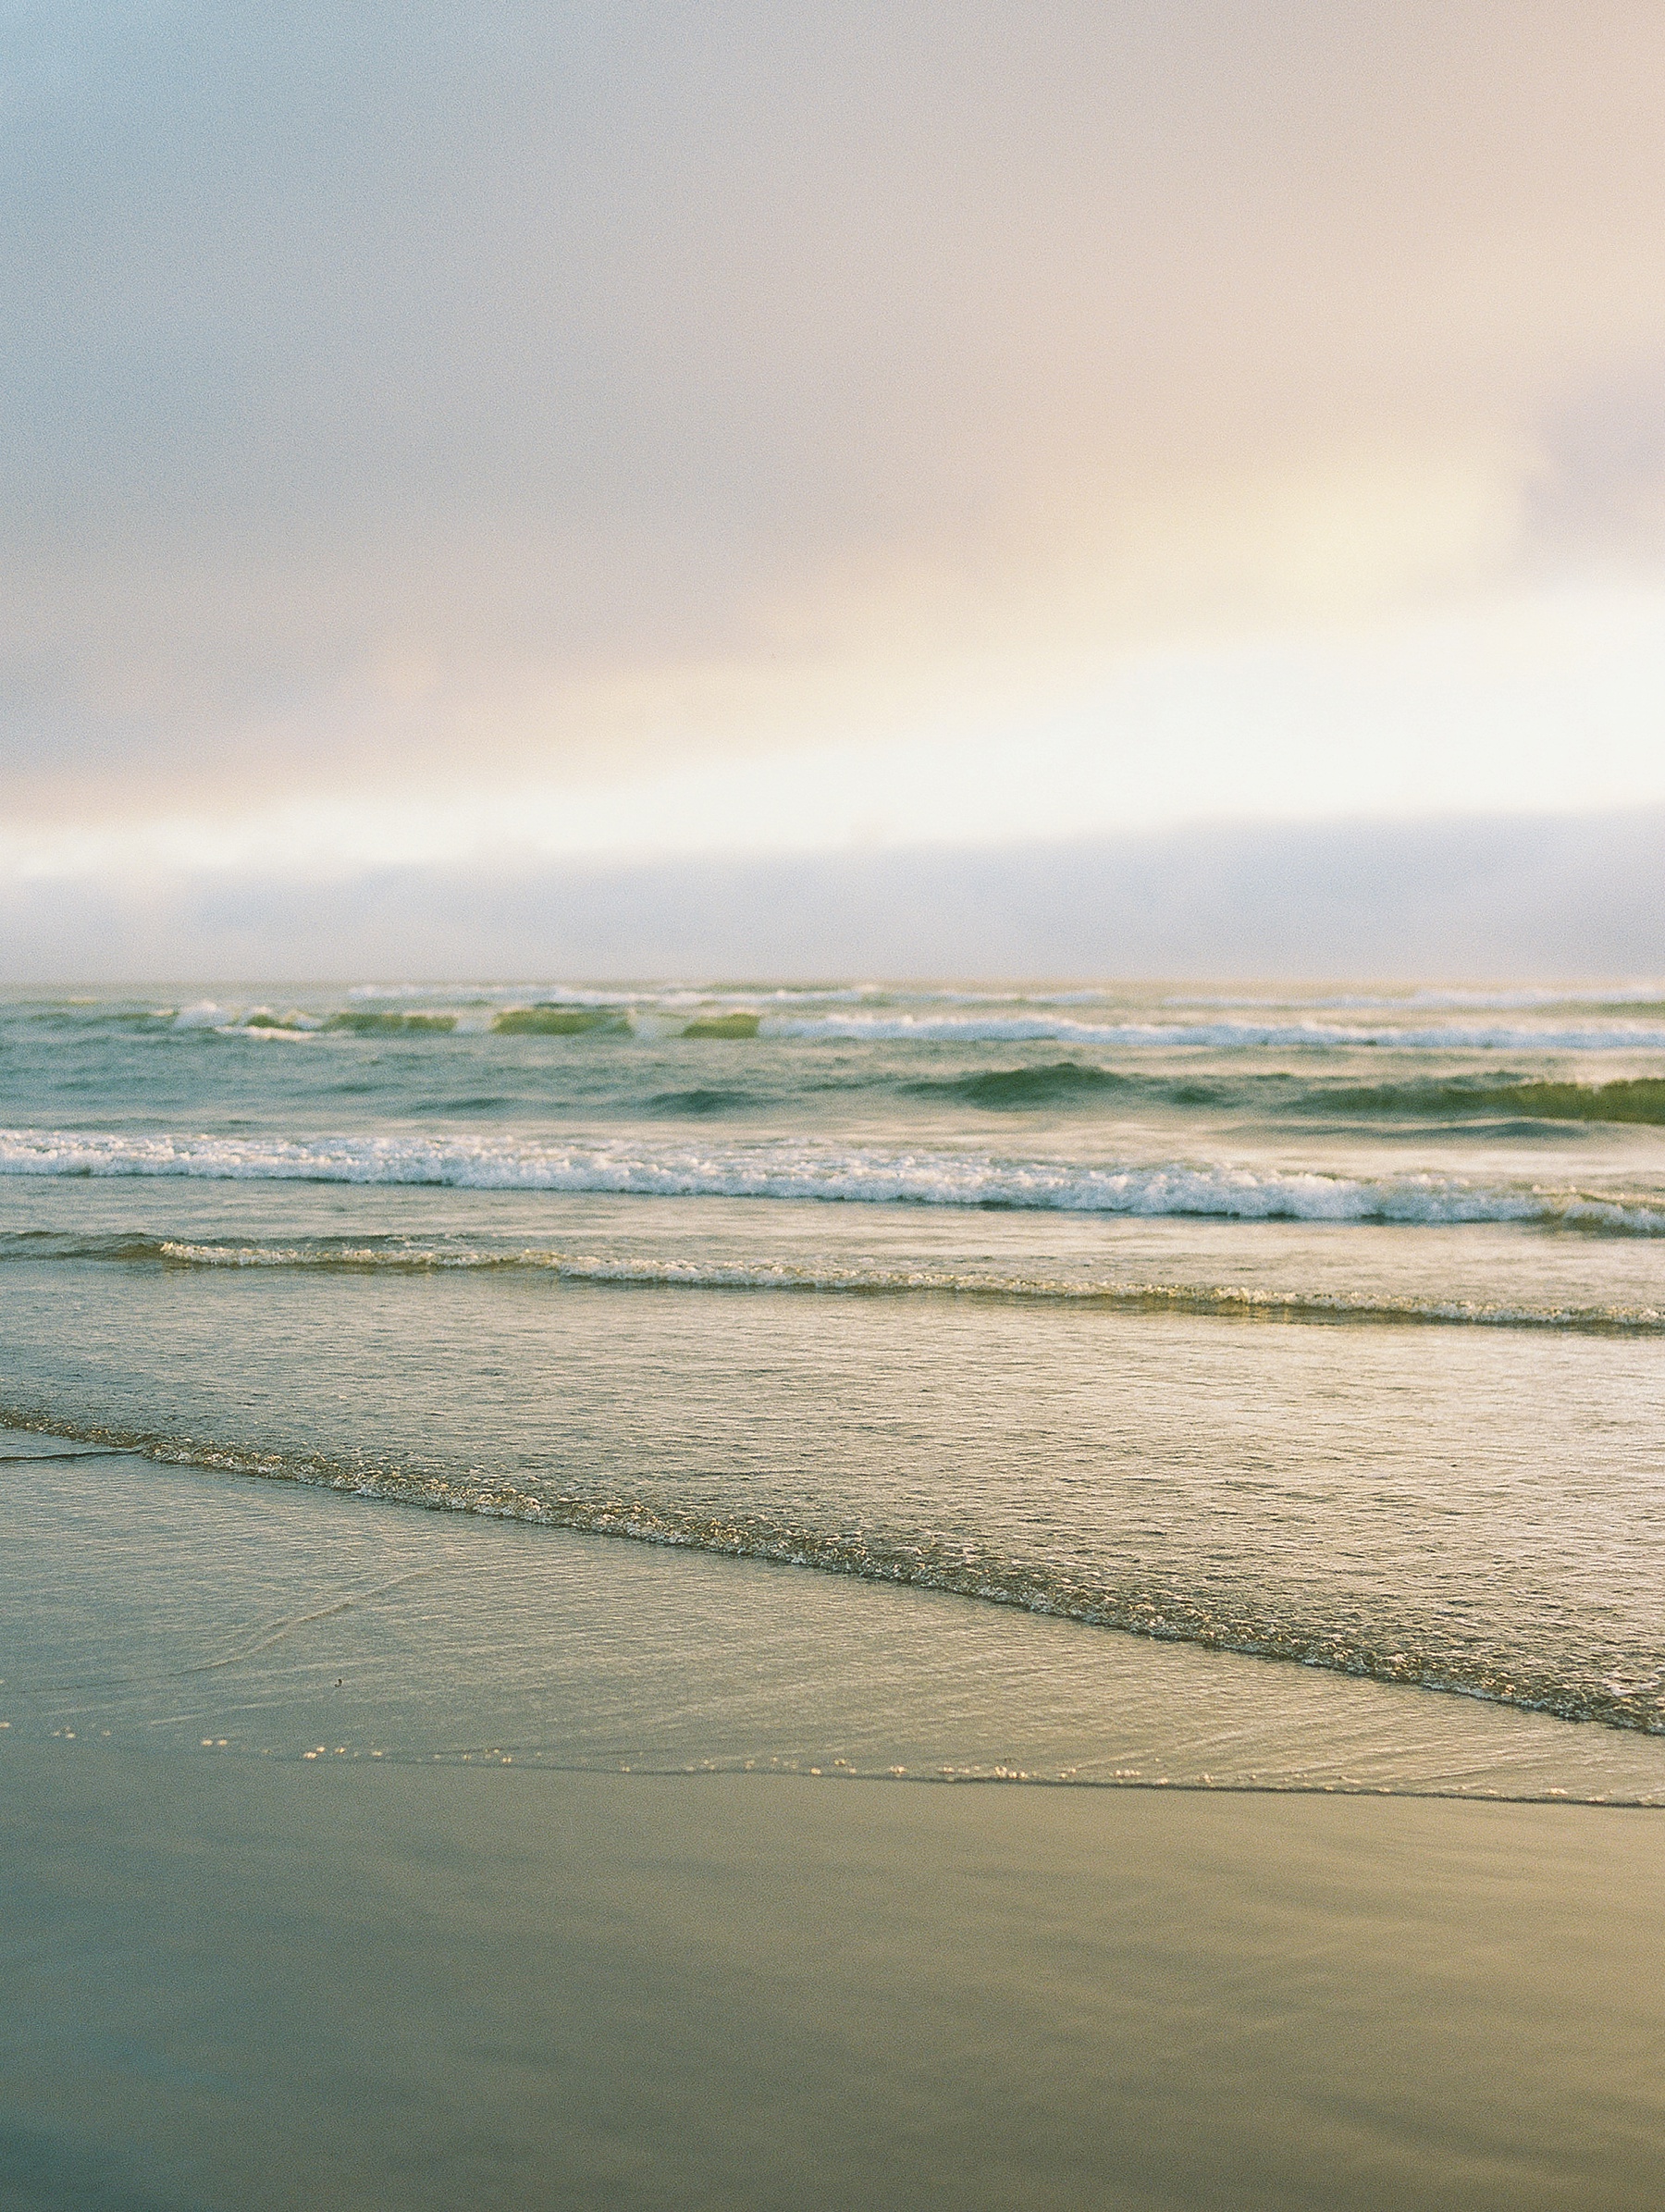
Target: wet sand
{"points": [[240, 1981], [401, 1933], [157, 1606]]}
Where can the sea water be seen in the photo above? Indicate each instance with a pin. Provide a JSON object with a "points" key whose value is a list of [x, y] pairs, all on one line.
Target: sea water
{"points": [[1324, 1328]]}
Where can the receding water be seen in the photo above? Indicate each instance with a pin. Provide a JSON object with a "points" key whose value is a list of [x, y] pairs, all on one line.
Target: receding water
{"points": [[1326, 1328]]}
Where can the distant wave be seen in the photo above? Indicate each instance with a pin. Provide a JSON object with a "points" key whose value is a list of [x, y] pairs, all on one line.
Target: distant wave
{"points": [[699, 1103], [1219, 1036], [1632, 1099], [783, 1168], [1637, 1099], [851, 1019], [1521, 999], [670, 996], [405, 1256], [1058, 1082]]}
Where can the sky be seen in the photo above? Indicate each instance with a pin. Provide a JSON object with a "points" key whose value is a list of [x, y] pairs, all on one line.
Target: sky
{"points": [[447, 443]]}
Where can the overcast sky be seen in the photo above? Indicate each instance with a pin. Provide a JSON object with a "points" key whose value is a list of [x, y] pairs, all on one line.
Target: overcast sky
{"points": [[433, 434]]}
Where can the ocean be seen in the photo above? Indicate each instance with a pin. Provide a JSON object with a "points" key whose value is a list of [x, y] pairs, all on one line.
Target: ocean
{"points": [[1308, 1344]]}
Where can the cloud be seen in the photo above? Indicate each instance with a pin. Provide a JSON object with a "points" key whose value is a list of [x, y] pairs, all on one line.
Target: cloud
{"points": [[1599, 491], [394, 394]]}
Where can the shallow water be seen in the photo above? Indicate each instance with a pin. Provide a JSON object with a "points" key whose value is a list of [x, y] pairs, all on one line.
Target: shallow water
{"points": [[1321, 1328], [169, 1609]]}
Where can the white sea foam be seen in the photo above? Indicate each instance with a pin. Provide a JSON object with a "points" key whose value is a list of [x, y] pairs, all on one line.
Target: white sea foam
{"points": [[991, 1001], [970, 1029], [663, 996], [1226, 1300], [1616, 995], [798, 1169]]}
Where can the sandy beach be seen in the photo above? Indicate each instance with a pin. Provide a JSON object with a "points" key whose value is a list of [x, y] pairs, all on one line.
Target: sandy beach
{"points": [[401, 1933], [241, 1982]]}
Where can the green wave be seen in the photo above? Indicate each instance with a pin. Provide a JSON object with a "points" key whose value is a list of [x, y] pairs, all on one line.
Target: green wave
{"points": [[723, 1025], [1636, 1099], [1631, 1099], [367, 1022], [1057, 1084], [557, 1022]]}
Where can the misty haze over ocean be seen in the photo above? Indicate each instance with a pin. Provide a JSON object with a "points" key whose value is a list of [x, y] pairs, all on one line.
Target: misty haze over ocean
{"points": [[1503, 898]]}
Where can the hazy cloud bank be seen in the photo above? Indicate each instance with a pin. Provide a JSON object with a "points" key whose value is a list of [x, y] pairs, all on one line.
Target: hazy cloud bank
{"points": [[1504, 899]]}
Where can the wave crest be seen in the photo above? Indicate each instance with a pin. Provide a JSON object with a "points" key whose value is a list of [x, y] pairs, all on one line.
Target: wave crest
{"points": [[1632, 1099], [831, 1173]]}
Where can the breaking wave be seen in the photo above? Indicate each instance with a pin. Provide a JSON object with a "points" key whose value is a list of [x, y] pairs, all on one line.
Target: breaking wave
{"points": [[1218, 1036], [783, 1168], [850, 1018]]}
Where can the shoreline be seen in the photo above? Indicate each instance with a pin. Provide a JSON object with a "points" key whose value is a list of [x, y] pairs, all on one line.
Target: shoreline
{"points": [[157, 1601], [324, 1893]]}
